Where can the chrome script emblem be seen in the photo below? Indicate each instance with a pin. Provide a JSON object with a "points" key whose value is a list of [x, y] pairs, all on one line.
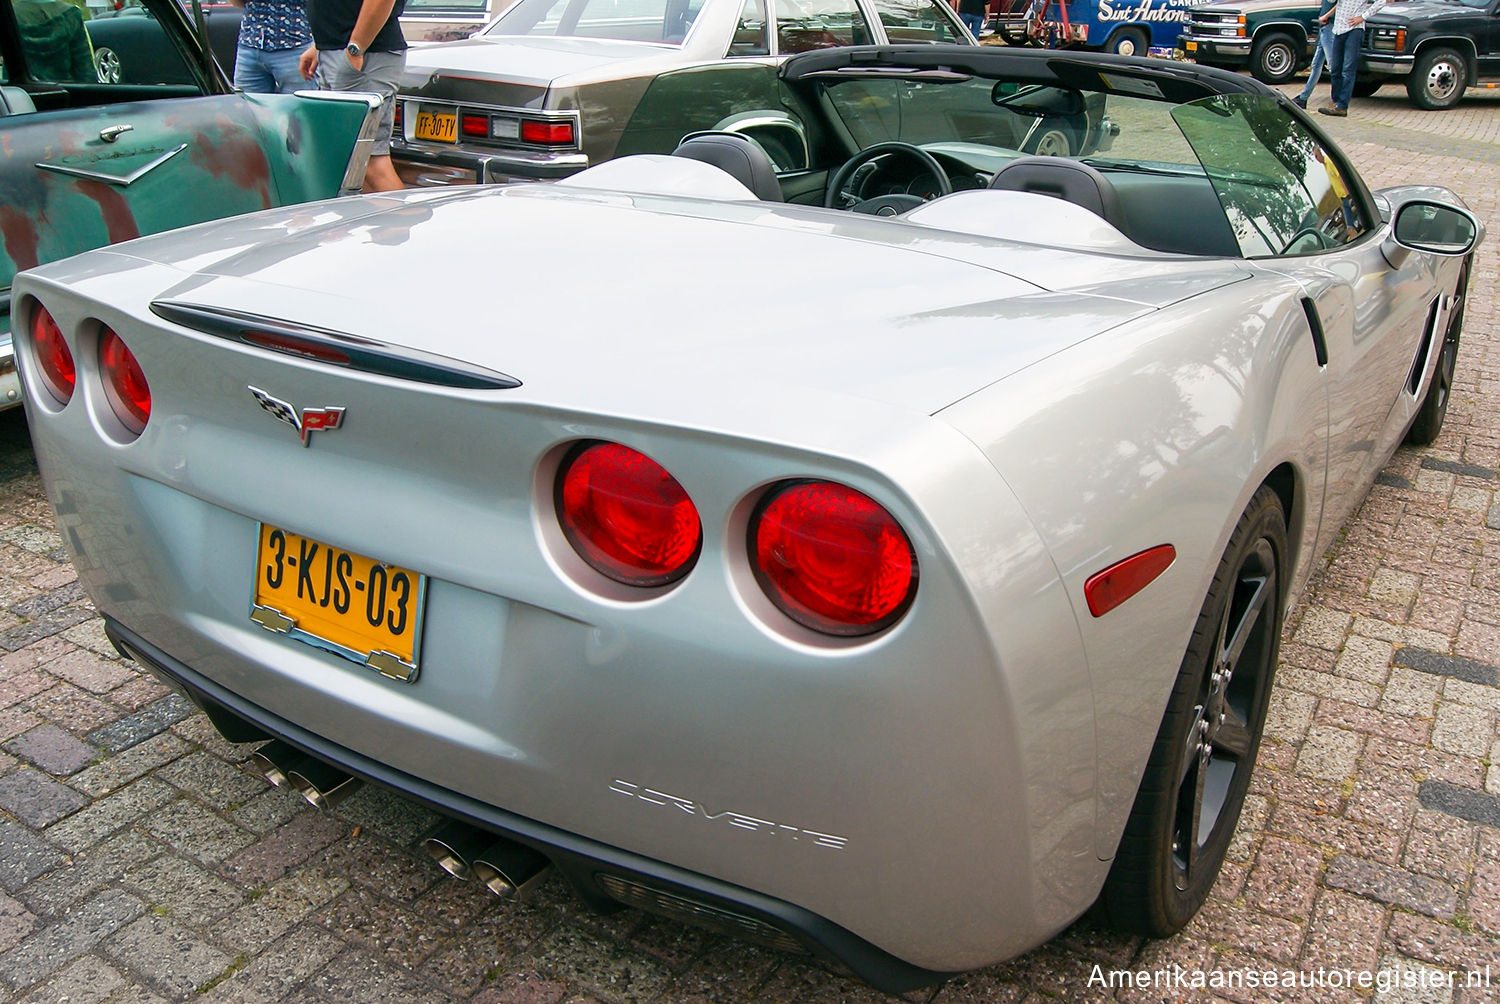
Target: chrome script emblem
{"points": [[739, 820], [307, 422]]}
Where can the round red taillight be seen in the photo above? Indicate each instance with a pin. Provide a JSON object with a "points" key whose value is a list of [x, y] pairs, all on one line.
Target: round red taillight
{"points": [[832, 558], [53, 357], [124, 384], [626, 516]]}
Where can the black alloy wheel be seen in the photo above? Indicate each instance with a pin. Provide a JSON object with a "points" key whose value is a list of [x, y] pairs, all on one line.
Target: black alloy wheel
{"points": [[1199, 771]]}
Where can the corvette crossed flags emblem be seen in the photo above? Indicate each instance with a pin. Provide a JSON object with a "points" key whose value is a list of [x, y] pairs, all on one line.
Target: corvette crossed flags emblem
{"points": [[308, 421]]}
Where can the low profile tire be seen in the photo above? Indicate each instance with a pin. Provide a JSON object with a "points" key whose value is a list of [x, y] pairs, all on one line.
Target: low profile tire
{"points": [[1128, 42], [1195, 781], [1273, 59], [1367, 87], [1438, 79], [1429, 421]]}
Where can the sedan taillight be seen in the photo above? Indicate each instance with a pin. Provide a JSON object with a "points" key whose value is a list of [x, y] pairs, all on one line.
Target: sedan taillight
{"points": [[832, 559], [626, 516], [124, 384], [54, 358]]}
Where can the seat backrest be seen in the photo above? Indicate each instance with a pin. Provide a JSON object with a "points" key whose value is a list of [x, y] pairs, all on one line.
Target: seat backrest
{"points": [[15, 101], [1069, 180], [738, 156]]}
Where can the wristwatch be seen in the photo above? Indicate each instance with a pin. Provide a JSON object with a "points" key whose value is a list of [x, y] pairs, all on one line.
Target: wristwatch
{"points": [[353, 49]]}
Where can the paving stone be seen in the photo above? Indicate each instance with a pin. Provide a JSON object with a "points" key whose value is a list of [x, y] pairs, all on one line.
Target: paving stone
{"points": [[198, 730], [165, 954], [1408, 982], [37, 800], [1329, 754], [1462, 729], [182, 890], [48, 601], [87, 671], [271, 809], [53, 750], [383, 812], [1476, 806], [1452, 467], [272, 855], [79, 932], [1365, 659], [145, 723], [1437, 664], [88, 980], [358, 976], [85, 874], [51, 623], [397, 873], [16, 720], [1284, 880], [196, 832], [284, 904], [277, 971], [211, 780], [107, 815], [125, 767], [601, 969], [77, 710], [23, 856], [16, 922], [1392, 885]]}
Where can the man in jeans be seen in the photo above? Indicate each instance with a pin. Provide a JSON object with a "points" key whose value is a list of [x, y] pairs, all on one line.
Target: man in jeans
{"points": [[273, 34], [1320, 54], [358, 46], [1343, 55]]}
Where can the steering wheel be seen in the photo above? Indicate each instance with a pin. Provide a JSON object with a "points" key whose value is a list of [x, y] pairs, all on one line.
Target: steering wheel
{"points": [[840, 197]]}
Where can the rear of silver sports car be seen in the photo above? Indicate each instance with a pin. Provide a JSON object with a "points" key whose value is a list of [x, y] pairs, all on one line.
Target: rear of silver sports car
{"points": [[788, 665]]}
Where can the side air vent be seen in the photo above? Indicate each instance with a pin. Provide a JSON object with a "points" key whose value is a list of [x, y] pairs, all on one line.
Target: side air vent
{"points": [[335, 348], [1419, 365], [1320, 344]]}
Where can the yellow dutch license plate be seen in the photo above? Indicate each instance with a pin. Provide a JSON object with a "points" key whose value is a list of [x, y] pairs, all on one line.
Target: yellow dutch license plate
{"points": [[362, 609], [440, 127], [1190, 46]]}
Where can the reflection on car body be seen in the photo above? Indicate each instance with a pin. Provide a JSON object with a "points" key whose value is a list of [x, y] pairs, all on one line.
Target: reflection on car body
{"points": [[897, 609]]}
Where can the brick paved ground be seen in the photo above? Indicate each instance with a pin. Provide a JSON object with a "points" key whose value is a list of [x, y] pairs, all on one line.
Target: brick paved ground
{"points": [[140, 860]]}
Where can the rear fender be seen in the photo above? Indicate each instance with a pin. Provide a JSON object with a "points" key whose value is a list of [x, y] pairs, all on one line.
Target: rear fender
{"points": [[325, 138]]}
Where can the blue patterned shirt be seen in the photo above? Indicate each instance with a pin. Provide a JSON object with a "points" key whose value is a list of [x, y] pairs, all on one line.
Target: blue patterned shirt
{"points": [[275, 24]]}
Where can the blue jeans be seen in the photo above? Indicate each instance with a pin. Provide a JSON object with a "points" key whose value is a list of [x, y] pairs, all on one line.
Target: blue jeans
{"points": [[1320, 55], [1343, 64], [974, 22], [267, 71]]}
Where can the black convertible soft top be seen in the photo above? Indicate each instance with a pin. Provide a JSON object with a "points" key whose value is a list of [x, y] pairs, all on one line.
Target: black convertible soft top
{"points": [[1175, 81]]}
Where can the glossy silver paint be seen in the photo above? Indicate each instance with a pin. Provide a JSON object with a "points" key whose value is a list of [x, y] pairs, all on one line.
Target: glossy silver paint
{"points": [[1028, 414]]}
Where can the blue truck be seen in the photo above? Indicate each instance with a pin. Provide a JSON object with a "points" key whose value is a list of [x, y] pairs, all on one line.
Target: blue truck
{"points": [[1128, 27]]}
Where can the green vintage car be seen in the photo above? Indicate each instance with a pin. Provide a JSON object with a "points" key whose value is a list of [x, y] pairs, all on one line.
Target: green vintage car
{"points": [[1272, 38], [86, 161]]}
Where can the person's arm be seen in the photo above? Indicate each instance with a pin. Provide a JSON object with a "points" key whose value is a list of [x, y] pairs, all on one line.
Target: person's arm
{"points": [[80, 51], [373, 15]]}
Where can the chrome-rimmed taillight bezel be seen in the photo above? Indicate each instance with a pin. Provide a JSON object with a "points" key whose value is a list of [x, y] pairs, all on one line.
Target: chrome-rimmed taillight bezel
{"points": [[115, 360], [801, 614]]}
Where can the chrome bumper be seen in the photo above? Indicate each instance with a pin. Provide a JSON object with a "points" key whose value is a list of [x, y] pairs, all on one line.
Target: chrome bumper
{"points": [[425, 167], [1393, 65], [10, 380], [1215, 46]]}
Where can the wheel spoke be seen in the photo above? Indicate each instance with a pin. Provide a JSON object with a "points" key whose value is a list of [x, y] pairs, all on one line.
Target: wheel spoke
{"points": [[1236, 636], [1231, 737], [1189, 816]]}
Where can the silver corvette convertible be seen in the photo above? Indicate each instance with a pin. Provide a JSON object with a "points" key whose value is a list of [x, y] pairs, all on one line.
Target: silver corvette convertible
{"points": [[884, 558]]}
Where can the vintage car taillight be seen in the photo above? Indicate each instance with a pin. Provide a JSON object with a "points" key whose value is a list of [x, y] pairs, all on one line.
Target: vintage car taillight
{"points": [[124, 384], [626, 516], [54, 358], [474, 124], [550, 133], [831, 558]]}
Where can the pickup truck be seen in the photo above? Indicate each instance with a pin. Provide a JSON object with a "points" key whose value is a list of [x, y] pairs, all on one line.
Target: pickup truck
{"points": [[1272, 38], [1439, 47]]}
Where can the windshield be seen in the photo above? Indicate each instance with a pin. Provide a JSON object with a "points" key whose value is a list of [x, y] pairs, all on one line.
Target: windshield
{"points": [[662, 21]]}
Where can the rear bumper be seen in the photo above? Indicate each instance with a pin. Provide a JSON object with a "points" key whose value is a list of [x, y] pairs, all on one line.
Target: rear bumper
{"points": [[426, 167], [10, 379], [601, 874]]}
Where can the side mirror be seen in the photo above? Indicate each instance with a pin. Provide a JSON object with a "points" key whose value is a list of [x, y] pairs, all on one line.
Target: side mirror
{"points": [[1435, 227]]}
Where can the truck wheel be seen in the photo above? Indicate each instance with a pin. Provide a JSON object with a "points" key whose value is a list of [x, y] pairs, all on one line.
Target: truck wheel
{"points": [[1128, 42], [1364, 88], [1438, 79], [1273, 58]]}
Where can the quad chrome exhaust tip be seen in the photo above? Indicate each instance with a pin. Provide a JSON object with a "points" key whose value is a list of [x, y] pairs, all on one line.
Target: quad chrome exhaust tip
{"points": [[504, 867], [285, 766]]}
